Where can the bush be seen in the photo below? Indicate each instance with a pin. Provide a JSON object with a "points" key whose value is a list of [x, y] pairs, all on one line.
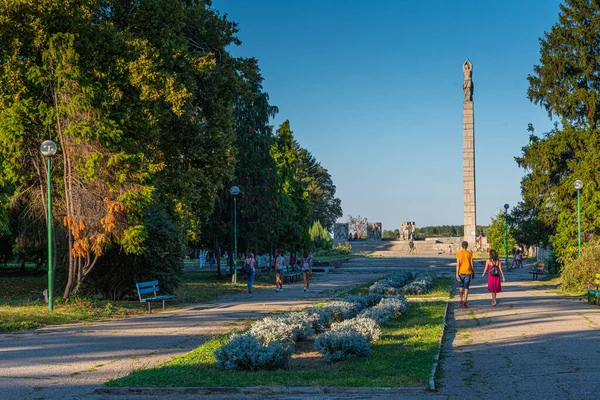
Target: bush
{"points": [[320, 318], [341, 310], [400, 279], [387, 308], [301, 324], [339, 250], [580, 273], [341, 344], [384, 287], [320, 238], [272, 329], [115, 273], [365, 326], [362, 302], [374, 299], [245, 352]]}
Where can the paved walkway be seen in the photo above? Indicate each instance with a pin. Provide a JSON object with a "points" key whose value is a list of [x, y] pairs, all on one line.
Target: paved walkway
{"points": [[66, 362], [535, 344]]}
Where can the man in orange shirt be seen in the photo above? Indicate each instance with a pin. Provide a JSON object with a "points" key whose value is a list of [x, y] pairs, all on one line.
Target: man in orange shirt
{"points": [[464, 270]]}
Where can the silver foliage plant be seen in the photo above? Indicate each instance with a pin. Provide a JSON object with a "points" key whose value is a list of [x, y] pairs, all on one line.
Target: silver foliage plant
{"points": [[341, 310], [367, 327], [337, 345], [387, 308], [246, 352], [361, 302], [272, 329], [320, 318]]}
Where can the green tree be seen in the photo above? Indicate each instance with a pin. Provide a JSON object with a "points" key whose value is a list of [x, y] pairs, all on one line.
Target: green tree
{"points": [[357, 225], [496, 234], [320, 237], [566, 83], [294, 212], [139, 98]]}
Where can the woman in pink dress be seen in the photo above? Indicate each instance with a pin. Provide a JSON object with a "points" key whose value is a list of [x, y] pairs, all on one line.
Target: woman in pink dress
{"points": [[493, 267]]}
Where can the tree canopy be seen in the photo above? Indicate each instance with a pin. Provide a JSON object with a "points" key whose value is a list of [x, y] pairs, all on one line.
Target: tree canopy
{"points": [[152, 116], [566, 83]]}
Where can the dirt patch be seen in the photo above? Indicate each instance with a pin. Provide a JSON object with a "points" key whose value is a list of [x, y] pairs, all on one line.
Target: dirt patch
{"points": [[306, 358]]}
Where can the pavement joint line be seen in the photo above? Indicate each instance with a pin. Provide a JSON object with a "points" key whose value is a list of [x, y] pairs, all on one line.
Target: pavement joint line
{"points": [[436, 359], [258, 390]]}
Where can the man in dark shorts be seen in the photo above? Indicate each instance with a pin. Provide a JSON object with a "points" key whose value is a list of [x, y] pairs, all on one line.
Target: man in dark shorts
{"points": [[464, 271]]}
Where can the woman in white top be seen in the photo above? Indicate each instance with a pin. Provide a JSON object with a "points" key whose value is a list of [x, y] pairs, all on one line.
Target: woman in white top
{"points": [[306, 268], [279, 263]]}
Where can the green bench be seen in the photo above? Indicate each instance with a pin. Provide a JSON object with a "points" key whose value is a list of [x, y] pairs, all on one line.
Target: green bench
{"points": [[594, 294], [144, 288], [291, 276]]}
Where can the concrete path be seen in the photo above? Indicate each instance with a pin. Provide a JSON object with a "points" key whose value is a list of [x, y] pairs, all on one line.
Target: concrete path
{"points": [[535, 344], [66, 362]]}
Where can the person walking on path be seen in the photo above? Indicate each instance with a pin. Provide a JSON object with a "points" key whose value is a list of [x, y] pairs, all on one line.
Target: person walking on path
{"points": [[411, 246], [279, 263], [493, 267], [464, 271], [306, 268], [202, 257], [250, 269]]}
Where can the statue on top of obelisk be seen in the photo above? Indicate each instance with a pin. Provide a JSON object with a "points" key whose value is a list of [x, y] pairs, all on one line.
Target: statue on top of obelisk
{"points": [[468, 83]]}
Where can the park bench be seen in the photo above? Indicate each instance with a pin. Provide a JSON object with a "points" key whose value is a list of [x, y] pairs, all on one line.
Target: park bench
{"points": [[594, 294], [144, 288], [290, 275], [537, 271]]}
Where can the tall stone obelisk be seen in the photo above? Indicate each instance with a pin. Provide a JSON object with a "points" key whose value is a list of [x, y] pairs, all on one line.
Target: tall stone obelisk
{"points": [[469, 156]]}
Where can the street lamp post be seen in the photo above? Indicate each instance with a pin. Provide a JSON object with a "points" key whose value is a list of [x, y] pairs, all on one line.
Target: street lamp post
{"points": [[48, 149], [578, 186], [505, 236], [234, 192]]}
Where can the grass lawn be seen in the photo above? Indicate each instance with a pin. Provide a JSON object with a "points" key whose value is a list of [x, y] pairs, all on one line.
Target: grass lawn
{"points": [[20, 311], [403, 357]]}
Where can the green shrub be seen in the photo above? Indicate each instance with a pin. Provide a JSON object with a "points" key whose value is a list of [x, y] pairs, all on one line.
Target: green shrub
{"points": [[580, 272], [320, 238]]}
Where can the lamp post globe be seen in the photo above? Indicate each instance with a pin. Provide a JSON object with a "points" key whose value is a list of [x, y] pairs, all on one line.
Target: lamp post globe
{"points": [[234, 192], [578, 186], [48, 149]]}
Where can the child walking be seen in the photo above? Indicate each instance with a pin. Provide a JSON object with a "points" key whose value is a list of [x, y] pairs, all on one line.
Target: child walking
{"points": [[493, 267]]}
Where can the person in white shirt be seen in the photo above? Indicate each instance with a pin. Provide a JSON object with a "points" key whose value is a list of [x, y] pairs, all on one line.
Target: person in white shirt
{"points": [[279, 263]]}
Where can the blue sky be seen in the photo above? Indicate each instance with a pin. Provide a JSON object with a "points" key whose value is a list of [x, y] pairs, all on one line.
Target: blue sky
{"points": [[374, 90]]}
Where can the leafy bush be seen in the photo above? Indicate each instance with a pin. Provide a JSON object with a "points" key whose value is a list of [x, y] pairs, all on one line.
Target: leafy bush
{"points": [[400, 279], [246, 352], [374, 299], [386, 309], [383, 286], [272, 329], [362, 302], [339, 250], [341, 344], [115, 274], [580, 272], [301, 324], [320, 238], [365, 326], [341, 310], [320, 318], [396, 304], [420, 285]]}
